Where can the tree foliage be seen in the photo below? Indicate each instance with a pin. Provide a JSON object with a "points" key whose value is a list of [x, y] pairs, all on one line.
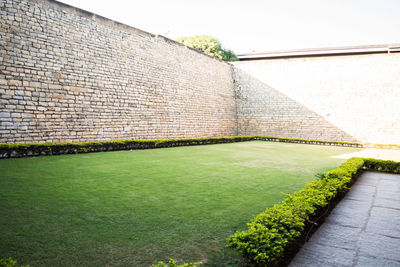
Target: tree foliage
{"points": [[208, 45]]}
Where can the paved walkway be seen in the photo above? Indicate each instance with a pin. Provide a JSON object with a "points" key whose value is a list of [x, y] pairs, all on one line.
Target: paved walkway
{"points": [[376, 153], [363, 229]]}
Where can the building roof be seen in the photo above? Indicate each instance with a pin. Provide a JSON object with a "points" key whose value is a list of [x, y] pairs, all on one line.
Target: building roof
{"points": [[328, 51]]}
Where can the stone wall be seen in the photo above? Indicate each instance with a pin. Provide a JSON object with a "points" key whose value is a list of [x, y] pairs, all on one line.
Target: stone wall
{"points": [[343, 98], [69, 75], [263, 110]]}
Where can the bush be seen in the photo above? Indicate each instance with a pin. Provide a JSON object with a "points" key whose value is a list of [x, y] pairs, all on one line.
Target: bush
{"points": [[10, 263], [209, 46], [270, 233], [172, 263]]}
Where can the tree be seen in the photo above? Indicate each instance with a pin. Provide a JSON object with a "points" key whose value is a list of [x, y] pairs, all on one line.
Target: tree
{"points": [[208, 45]]}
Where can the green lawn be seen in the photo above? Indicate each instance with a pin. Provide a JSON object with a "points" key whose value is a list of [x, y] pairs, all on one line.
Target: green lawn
{"points": [[134, 208]]}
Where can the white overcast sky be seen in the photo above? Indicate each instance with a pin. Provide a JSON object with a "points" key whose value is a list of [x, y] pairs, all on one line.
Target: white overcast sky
{"points": [[260, 25]]}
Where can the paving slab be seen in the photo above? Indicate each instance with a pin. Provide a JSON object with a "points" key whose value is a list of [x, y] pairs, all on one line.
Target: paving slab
{"points": [[387, 203], [384, 221], [362, 230], [321, 255], [366, 180], [336, 235], [347, 220], [362, 192], [389, 176], [375, 262], [376, 245], [388, 186], [352, 206], [388, 195]]}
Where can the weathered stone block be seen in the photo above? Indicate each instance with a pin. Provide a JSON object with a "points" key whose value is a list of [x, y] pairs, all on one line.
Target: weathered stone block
{"points": [[5, 114], [14, 83]]}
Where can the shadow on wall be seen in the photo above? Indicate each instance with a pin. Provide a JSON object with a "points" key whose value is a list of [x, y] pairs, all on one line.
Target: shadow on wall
{"points": [[263, 110]]}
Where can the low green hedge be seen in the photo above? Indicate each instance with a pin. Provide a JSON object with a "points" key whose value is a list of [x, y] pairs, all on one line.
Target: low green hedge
{"points": [[44, 149], [388, 166], [307, 141], [272, 233]]}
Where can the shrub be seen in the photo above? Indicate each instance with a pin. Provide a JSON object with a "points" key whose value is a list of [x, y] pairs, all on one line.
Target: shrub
{"points": [[10, 263], [209, 46], [172, 263], [270, 233]]}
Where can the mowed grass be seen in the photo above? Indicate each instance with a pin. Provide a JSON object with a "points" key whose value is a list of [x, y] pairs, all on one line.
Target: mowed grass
{"points": [[135, 208]]}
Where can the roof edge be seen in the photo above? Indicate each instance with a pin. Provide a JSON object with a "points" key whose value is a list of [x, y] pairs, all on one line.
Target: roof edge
{"points": [[328, 51]]}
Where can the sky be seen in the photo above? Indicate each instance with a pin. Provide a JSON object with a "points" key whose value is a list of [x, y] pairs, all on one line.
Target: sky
{"points": [[246, 26]]}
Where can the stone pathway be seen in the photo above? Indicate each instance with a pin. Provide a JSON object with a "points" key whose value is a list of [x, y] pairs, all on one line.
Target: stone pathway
{"points": [[362, 230], [376, 153]]}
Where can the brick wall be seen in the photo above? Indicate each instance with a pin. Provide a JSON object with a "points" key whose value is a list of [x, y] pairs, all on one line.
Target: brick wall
{"points": [[69, 75], [343, 98]]}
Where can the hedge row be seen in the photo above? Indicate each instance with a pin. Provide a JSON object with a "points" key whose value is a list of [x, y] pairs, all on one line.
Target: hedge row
{"points": [[378, 165], [43, 149], [307, 141], [274, 232], [329, 143]]}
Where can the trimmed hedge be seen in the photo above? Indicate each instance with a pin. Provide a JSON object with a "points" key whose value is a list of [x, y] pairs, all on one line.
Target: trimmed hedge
{"points": [[328, 143], [274, 232], [388, 166], [384, 146], [307, 141], [44, 149]]}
